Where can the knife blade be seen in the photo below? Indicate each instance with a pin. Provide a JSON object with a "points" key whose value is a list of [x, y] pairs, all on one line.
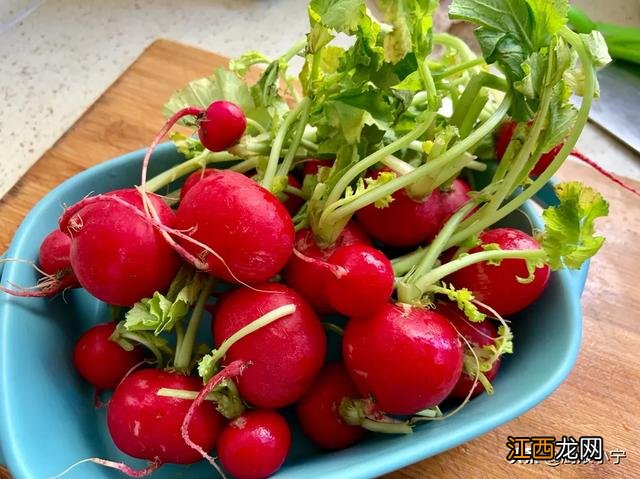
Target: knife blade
{"points": [[617, 110]]}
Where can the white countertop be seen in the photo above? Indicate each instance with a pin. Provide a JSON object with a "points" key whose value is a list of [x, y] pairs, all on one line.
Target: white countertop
{"points": [[59, 59]]}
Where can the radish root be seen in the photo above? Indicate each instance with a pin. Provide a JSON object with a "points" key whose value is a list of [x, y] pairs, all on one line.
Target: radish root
{"points": [[236, 368], [120, 466]]}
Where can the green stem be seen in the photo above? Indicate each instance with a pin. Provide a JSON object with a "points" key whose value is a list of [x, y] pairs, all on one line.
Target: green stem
{"points": [[459, 68], [292, 190], [455, 43], [397, 165], [183, 355], [435, 164], [305, 105], [429, 85], [253, 326], [295, 49], [403, 264], [186, 167], [184, 394], [581, 120], [245, 165], [258, 127], [278, 142], [474, 113], [147, 344], [437, 247], [386, 427], [361, 166], [446, 269]]}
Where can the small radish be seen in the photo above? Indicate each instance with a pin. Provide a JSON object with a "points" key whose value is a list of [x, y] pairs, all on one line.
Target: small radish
{"points": [[255, 444], [242, 222], [479, 335], [116, 255], [221, 125], [364, 280], [146, 425], [318, 411], [497, 285], [285, 355], [408, 222], [406, 358], [54, 263], [308, 277], [53, 257], [101, 361], [505, 133]]}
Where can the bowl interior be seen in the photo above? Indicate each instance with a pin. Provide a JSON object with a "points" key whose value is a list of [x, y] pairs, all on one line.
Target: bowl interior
{"points": [[47, 418]]}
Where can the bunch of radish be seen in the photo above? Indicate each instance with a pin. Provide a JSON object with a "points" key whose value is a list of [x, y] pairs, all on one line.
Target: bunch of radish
{"points": [[301, 217]]}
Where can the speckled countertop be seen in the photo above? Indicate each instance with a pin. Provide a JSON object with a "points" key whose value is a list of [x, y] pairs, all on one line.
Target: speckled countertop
{"points": [[58, 60]]}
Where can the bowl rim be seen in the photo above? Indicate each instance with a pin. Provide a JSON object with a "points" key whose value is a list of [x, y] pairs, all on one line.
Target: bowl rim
{"points": [[414, 452]]}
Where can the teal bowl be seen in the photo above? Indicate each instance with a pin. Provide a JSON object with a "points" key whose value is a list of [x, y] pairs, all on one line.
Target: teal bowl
{"points": [[47, 418]]}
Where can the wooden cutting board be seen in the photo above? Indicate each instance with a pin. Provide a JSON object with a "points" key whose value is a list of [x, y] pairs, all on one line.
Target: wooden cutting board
{"points": [[601, 395]]}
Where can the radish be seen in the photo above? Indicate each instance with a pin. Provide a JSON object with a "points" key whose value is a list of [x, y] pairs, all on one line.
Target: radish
{"points": [[53, 257], [101, 361], [364, 280], [285, 355], [242, 222], [255, 444], [318, 411], [146, 425], [221, 125], [479, 335], [194, 178], [507, 287], [54, 264], [116, 255], [406, 358], [307, 275], [408, 222]]}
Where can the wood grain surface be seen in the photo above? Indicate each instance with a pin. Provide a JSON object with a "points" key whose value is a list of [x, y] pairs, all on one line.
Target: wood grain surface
{"points": [[600, 397]]}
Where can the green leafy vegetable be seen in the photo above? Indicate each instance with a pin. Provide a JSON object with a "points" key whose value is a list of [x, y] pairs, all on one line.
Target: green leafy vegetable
{"points": [[569, 237], [160, 314]]}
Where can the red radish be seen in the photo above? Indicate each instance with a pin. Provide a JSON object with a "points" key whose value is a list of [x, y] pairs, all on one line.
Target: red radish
{"points": [[318, 411], [100, 360], [255, 444], [53, 257], [312, 166], [505, 133], [147, 426], [308, 277], [293, 203], [242, 222], [193, 178], [407, 359], [53, 261], [285, 355], [364, 280], [497, 285], [221, 125], [407, 222], [116, 255], [479, 335]]}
